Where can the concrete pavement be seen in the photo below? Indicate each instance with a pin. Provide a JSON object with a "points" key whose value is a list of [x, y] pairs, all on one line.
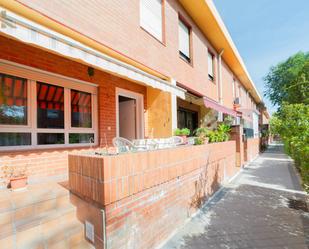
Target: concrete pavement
{"points": [[264, 207]]}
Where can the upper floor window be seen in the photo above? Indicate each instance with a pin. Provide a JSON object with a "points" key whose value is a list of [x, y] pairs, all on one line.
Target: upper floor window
{"points": [[151, 17], [184, 41], [210, 66]]}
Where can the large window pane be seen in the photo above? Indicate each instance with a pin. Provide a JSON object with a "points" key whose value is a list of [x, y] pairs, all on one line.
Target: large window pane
{"points": [[184, 41], [50, 107], [81, 109], [14, 139], [210, 66], [50, 138], [79, 138], [151, 17], [13, 100]]}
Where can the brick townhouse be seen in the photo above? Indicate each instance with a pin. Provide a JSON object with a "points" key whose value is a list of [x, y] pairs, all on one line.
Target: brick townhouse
{"points": [[75, 74], [71, 70]]}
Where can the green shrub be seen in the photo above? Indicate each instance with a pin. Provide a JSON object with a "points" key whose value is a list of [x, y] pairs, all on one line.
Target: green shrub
{"points": [[182, 132], [291, 122], [221, 134]]}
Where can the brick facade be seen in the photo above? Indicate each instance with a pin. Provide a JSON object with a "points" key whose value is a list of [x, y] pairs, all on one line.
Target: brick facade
{"points": [[52, 163], [108, 22], [142, 192], [252, 148]]}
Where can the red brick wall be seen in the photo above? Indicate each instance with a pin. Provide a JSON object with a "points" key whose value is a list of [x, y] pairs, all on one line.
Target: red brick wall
{"points": [[143, 192], [116, 24], [252, 146], [53, 162]]}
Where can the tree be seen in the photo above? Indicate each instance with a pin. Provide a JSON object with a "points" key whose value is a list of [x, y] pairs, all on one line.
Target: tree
{"points": [[289, 81], [287, 85]]}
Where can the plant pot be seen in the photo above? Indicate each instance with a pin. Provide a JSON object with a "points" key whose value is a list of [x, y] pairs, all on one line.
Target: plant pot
{"points": [[184, 138], [206, 140], [18, 183]]}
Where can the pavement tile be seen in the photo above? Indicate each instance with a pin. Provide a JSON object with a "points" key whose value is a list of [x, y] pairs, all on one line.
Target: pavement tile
{"points": [[254, 211]]}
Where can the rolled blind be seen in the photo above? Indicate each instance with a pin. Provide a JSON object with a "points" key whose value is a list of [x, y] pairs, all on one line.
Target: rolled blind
{"points": [[151, 17], [184, 39], [210, 65]]}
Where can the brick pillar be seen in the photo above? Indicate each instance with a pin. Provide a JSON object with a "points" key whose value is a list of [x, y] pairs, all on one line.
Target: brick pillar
{"points": [[237, 135]]}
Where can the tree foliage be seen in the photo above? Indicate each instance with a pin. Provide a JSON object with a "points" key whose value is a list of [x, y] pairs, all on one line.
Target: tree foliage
{"points": [[289, 81], [287, 85]]}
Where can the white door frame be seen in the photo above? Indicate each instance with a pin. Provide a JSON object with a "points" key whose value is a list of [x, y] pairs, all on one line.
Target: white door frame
{"points": [[139, 110]]}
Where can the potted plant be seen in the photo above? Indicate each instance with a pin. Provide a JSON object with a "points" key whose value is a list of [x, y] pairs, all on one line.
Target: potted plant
{"points": [[184, 133], [202, 136], [17, 177]]}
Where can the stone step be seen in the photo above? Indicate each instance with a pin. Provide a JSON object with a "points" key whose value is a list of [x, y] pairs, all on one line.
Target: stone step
{"points": [[40, 217], [34, 194], [18, 218], [64, 232]]}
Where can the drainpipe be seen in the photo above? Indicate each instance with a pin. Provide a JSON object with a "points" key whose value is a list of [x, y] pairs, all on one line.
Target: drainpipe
{"points": [[174, 107], [104, 229], [220, 82]]}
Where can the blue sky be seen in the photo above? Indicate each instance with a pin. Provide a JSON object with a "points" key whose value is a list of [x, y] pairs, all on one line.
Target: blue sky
{"points": [[266, 32]]}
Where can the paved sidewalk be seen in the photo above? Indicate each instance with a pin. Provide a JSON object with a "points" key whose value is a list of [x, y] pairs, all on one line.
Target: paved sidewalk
{"points": [[264, 207]]}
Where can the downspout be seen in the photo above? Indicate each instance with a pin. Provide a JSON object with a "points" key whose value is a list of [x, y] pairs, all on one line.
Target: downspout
{"points": [[220, 81], [220, 75], [104, 228]]}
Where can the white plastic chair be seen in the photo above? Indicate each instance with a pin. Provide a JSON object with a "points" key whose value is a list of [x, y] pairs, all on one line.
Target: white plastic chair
{"points": [[176, 140], [125, 145]]}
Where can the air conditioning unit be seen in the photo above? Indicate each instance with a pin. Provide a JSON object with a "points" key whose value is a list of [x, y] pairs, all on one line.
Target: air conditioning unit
{"points": [[237, 101]]}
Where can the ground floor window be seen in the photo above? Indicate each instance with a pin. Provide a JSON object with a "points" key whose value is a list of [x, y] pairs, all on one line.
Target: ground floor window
{"points": [[187, 119], [39, 110]]}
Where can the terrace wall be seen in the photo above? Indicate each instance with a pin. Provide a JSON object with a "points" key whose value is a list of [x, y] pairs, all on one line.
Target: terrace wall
{"points": [[51, 164], [142, 192], [252, 148]]}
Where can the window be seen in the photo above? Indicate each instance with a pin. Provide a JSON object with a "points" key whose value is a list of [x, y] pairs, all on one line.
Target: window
{"points": [[81, 109], [187, 119], [14, 138], [76, 138], [55, 115], [151, 17], [210, 66], [50, 106], [50, 138], [13, 100], [184, 41]]}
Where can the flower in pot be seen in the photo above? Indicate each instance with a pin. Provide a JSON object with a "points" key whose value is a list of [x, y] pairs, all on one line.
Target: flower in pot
{"points": [[17, 176], [184, 133], [202, 136]]}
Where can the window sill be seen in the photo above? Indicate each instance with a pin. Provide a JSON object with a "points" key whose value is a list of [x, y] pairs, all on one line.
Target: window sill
{"points": [[157, 39], [211, 78], [185, 59], [54, 147]]}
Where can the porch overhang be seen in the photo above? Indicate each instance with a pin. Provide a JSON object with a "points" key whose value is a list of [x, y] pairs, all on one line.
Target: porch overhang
{"points": [[24, 30], [220, 108], [247, 114]]}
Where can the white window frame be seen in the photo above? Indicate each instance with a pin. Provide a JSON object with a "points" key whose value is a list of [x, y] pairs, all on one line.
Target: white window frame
{"points": [[33, 75], [145, 23], [188, 57], [211, 69], [139, 110]]}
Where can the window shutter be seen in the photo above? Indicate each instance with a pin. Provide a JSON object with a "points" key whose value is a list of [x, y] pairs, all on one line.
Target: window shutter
{"points": [[210, 65], [151, 17], [184, 39]]}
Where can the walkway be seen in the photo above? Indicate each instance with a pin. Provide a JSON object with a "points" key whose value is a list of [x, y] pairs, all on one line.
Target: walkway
{"points": [[264, 207]]}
